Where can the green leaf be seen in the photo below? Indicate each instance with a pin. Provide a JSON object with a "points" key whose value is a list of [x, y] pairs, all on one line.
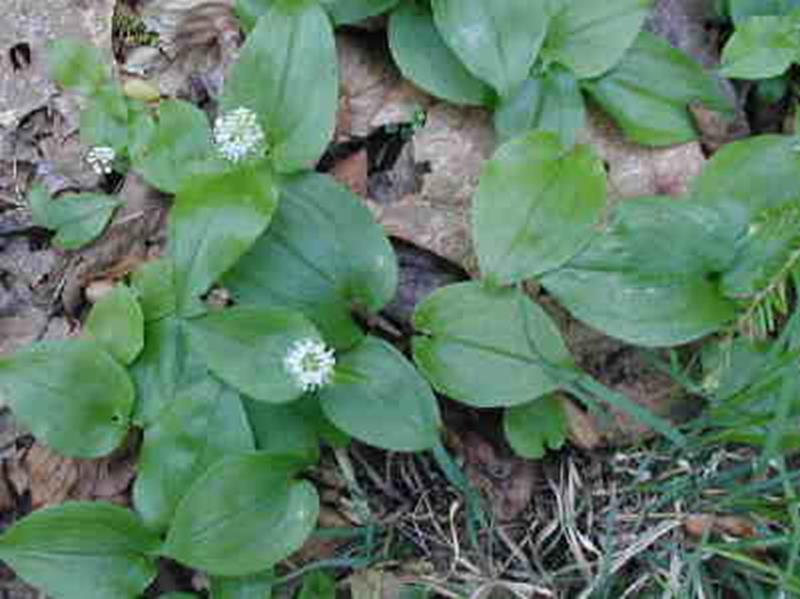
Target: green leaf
{"points": [[204, 423], [246, 346], [473, 346], [536, 207], [747, 177], [179, 596], [177, 147], [649, 91], [324, 256], [155, 286], [534, 427], [255, 586], [71, 394], [215, 220], [290, 53], [116, 321], [550, 101], [497, 41], [590, 37], [661, 235], [295, 428], [318, 585], [243, 515], [82, 551], [653, 310], [762, 47], [165, 366], [38, 203], [77, 65], [765, 253], [79, 219], [379, 398], [346, 12], [424, 58], [106, 119], [742, 9]]}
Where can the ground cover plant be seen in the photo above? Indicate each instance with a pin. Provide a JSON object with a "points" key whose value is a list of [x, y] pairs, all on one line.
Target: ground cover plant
{"points": [[233, 400]]}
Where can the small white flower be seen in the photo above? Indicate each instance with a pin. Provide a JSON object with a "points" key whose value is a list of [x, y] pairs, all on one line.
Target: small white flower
{"points": [[101, 159], [238, 134], [310, 363]]}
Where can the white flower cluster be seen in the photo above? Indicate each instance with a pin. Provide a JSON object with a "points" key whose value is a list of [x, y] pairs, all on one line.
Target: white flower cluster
{"points": [[238, 134], [101, 159], [310, 363]]}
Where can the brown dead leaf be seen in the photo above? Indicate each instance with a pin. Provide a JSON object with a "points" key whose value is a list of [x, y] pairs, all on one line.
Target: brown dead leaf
{"points": [[699, 526], [505, 479], [53, 479]]}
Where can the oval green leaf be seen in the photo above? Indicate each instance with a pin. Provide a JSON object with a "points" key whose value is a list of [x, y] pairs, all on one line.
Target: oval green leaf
{"points": [[71, 394], [155, 287], [215, 220], [80, 219], [424, 58], [82, 551], [254, 586], [649, 91], [590, 37], [551, 101], [762, 47], [290, 53], [533, 428], [243, 515], [246, 347], [497, 41], [536, 207], [202, 425], [117, 322], [176, 148], [487, 347], [75, 64], [324, 256], [379, 398]]}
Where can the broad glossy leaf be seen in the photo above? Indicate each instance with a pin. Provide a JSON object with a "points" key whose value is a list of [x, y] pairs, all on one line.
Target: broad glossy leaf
{"points": [[345, 12], [77, 65], [487, 347], [533, 428], [177, 148], [550, 101], [590, 37], [424, 58], [661, 235], [762, 47], [379, 398], [165, 366], [116, 321], [254, 586], [650, 89], [246, 346], [289, 54], [324, 256], [155, 287], [295, 428], [82, 551], [765, 252], [205, 423], [536, 207], [106, 119], [653, 310], [749, 176], [71, 394], [179, 596], [497, 41], [215, 220], [243, 515], [740, 10], [80, 219]]}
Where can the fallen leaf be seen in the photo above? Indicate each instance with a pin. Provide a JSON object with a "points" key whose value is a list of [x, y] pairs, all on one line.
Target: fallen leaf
{"points": [[352, 172]]}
